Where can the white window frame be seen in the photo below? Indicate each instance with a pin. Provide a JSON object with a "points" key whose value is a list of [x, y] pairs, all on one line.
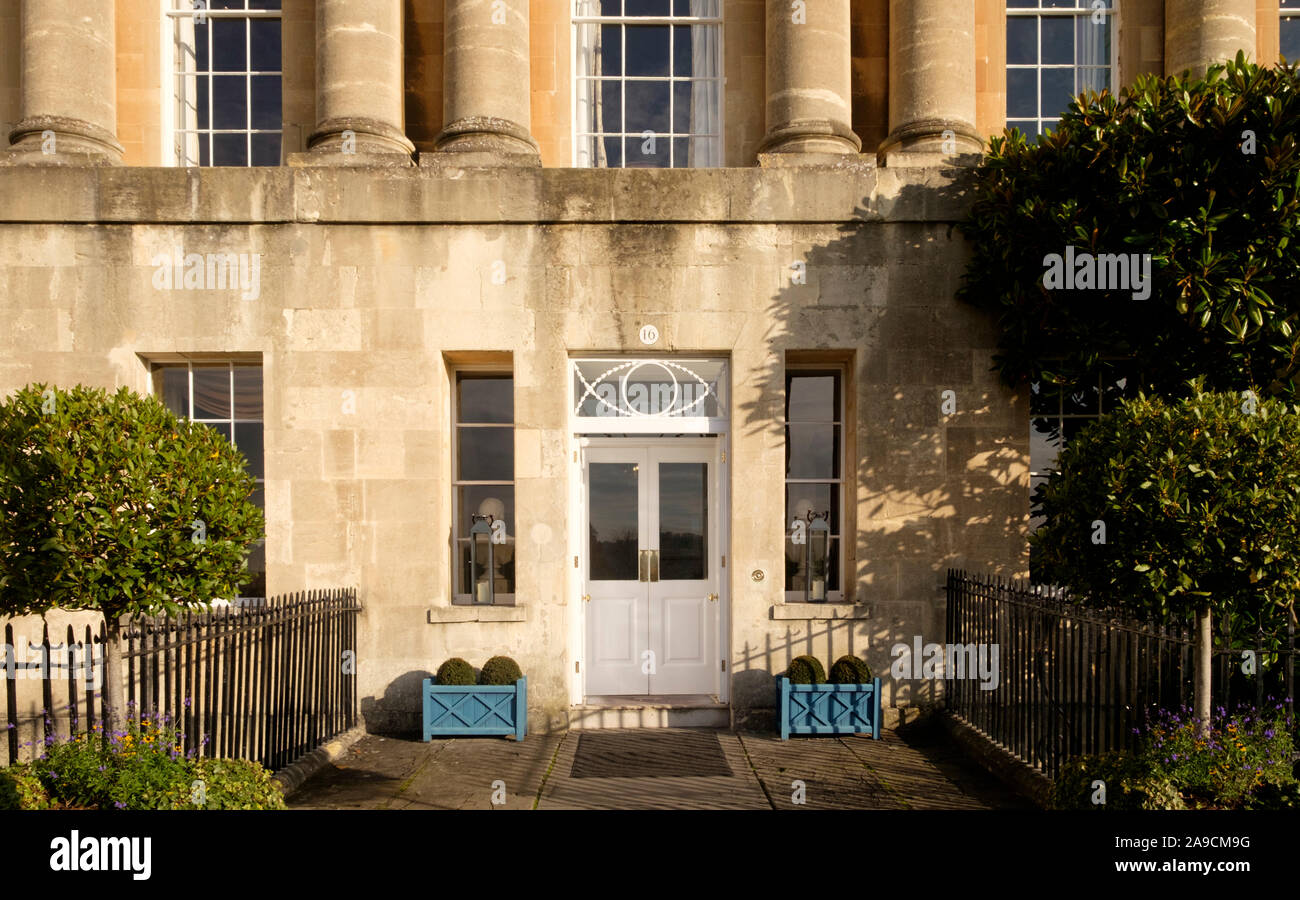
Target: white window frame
{"points": [[577, 136], [841, 372], [478, 371], [171, 12], [1113, 13]]}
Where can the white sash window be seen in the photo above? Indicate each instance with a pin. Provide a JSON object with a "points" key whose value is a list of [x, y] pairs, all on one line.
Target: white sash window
{"points": [[1056, 50]]}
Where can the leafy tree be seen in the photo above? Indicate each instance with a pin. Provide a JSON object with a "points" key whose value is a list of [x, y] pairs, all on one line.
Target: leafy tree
{"points": [[1201, 174], [112, 503], [1181, 508]]}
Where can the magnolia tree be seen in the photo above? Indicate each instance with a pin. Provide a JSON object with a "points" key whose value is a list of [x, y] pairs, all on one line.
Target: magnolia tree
{"points": [[1180, 509], [1158, 228], [113, 503]]}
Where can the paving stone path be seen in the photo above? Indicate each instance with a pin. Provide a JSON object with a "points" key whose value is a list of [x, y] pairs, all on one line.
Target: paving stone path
{"points": [[913, 768]]}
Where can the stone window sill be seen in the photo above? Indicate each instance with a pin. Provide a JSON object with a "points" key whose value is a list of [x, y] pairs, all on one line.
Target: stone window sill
{"points": [[819, 612], [441, 614]]}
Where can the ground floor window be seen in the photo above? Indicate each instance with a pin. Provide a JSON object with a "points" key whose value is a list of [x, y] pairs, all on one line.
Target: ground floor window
{"points": [[483, 485], [225, 396], [814, 480]]}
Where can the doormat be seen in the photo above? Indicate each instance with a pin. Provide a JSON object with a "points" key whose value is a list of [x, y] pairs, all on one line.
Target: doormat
{"points": [[648, 754]]}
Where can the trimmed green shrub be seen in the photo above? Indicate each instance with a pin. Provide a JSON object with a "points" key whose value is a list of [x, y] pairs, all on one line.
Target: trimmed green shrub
{"points": [[20, 788], [850, 670], [500, 670], [455, 671], [806, 670], [232, 784]]}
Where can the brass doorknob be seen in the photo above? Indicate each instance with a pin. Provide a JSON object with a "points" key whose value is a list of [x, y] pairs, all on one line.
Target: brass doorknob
{"points": [[713, 598], [586, 598]]}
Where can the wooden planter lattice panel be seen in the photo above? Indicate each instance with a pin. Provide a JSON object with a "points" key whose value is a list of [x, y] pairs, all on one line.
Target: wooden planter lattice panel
{"points": [[463, 710], [829, 708]]}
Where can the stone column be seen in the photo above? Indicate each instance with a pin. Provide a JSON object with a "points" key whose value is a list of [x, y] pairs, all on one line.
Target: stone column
{"points": [[809, 78], [486, 99], [1199, 33], [931, 79], [69, 85], [358, 85]]}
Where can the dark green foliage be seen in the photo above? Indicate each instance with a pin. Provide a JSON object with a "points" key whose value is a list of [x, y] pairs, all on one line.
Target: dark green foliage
{"points": [[233, 784], [21, 788], [850, 670], [806, 670], [1200, 502], [500, 670], [455, 671], [99, 500], [1163, 169], [1130, 782]]}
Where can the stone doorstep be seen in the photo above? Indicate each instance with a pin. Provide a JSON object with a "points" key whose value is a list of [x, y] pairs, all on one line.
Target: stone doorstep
{"points": [[650, 712]]}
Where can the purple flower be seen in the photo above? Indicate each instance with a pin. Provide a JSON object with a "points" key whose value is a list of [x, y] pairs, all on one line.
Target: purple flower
{"points": [[120, 805], [1268, 733]]}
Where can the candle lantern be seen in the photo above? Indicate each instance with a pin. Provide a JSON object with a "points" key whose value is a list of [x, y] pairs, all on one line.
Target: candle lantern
{"points": [[816, 557], [482, 561]]}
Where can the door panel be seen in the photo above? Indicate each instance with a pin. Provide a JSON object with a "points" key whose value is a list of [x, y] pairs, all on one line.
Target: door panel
{"points": [[618, 604]]}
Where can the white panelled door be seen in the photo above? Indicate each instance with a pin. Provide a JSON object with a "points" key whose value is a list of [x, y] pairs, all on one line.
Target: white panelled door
{"points": [[652, 608]]}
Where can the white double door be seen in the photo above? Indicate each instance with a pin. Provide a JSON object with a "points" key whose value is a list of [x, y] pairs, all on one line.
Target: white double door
{"points": [[652, 568]]}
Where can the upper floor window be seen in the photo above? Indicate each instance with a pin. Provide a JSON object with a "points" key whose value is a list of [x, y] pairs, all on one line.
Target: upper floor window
{"points": [[225, 82], [1291, 30], [226, 396], [1056, 50], [648, 83]]}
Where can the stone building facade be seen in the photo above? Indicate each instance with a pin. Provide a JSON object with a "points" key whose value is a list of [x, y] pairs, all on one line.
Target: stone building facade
{"points": [[447, 288]]}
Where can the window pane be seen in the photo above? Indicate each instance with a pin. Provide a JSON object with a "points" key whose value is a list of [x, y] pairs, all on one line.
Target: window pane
{"points": [[682, 49], [683, 521], [614, 506], [1093, 41], [682, 92], [647, 8], [266, 102], [485, 454], [230, 149], [495, 500], [647, 49], [610, 57], [230, 101], [1022, 93], [248, 438], [176, 390], [1022, 40], [1058, 40], [613, 157], [796, 568], [1058, 91], [800, 498], [812, 398], [228, 45], [201, 47], [1044, 444], [813, 451], [265, 40], [647, 107], [212, 392], [248, 392], [609, 96], [1291, 38], [1044, 400], [486, 400], [266, 149]]}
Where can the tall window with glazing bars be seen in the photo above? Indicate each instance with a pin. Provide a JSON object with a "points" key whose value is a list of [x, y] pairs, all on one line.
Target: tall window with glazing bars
{"points": [[648, 83], [1056, 50], [225, 82]]}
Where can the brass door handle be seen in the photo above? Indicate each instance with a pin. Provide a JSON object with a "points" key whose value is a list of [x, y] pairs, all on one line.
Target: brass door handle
{"points": [[654, 564], [586, 598], [713, 598], [643, 566]]}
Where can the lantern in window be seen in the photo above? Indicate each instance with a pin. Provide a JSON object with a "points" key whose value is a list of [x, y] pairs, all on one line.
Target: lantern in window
{"points": [[482, 562], [816, 557]]}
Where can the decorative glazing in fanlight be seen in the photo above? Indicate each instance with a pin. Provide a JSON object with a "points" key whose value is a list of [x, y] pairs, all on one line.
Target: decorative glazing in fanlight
{"points": [[650, 389]]}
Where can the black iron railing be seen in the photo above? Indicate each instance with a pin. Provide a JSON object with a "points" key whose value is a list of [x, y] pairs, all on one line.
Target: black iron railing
{"points": [[267, 680], [1076, 680]]}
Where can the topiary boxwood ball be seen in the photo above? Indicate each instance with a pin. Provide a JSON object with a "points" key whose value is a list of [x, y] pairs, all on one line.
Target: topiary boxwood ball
{"points": [[850, 670], [806, 670], [455, 671], [500, 670]]}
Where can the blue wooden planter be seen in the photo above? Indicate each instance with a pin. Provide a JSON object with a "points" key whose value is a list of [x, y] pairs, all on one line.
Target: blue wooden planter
{"points": [[475, 709], [828, 708]]}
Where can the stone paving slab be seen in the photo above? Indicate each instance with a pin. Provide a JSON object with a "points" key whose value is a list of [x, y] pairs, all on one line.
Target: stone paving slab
{"points": [[915, 767]]}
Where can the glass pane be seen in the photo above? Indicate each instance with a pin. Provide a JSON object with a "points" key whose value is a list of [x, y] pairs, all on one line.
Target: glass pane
{"points": [[1022, 40], [609, 59], [613, 155], [248, 392], [486, 400], [682, 49], [681, 152], [1058, 40], [266, 149], [1044, 444], [503, 562], [800, 498], [265, 39], [266, 102], [796, 566], [647, 109], [176, 390], [1044, 399], [230, 150], [228, 45], [647, 8], [1058, 91], [485, 454], [212, 392], [683, 521], [647, 49], [613, 503], [813, 451], [230, 101], [1022, 93], [495, 500], [1093, 41], [201, 47], [248, 438], [682, 105], [812, 398], [1291, 38], [611, 7], [608, 101]]}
